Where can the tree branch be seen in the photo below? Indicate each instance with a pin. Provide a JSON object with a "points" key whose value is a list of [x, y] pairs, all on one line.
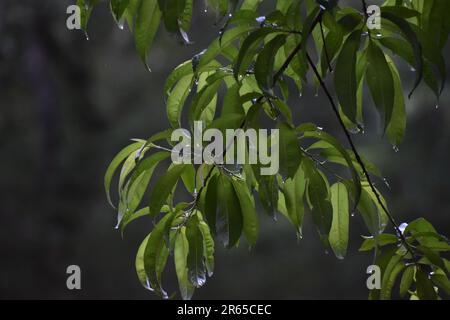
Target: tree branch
{"points": [[357, 156]]}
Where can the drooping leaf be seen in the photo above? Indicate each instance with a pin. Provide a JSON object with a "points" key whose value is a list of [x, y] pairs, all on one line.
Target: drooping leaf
{"points": [[146, 25], [195, 260], [380, 81], [118, 159], [289, 148], [339, 228], [180, 258], [163, 188], [249, 216], [345, 75]]}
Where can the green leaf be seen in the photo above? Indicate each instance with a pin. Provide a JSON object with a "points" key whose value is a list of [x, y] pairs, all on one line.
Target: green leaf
{"points": [[396, 127], [407, 280], [425, 290], [334, 143], [264, 65], [267, 191], [211, 202], [380, 80], [232, 101], [249, 216], [293, 190], [163, 188], [195, 262], [203, 99], [393, 269], [86, 7], [339, 228], [229, 220], [249, 48], [140, 267], [289, 148], [441, 281], [176, 75], [319, 198], [378, 241], [147, 23], [138, 183], [217, 46], [171, 11], [208, 247], [180, 258], [176, 100], [411, 36], [118, 8], [155, 255], [345, 75], [115, 163]]}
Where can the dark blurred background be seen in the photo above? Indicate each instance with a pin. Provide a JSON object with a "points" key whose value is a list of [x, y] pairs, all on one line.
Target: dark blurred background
{"points": [[68, 105]]}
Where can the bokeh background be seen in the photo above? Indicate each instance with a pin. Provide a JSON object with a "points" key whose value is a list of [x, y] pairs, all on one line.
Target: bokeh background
{"points": [[67, 105]]}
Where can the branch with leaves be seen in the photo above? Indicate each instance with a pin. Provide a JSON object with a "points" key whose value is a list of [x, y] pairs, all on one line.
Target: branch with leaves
{"points": [[262, 61]]}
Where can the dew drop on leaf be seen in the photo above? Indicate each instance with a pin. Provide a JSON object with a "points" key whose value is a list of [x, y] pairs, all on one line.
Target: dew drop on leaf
{"points": [[395, 148], [386, 182]]}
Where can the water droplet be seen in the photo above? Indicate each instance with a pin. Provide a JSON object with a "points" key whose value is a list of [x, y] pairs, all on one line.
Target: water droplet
{"points": [[386, 182], [327, 252], [86, 35], [320, 128], [437, 106], [395, 148], [365, 34], [316, 94], [300, 95], [378, 35], [412, 69], [353, 214], [230, 15], [206, 11]]}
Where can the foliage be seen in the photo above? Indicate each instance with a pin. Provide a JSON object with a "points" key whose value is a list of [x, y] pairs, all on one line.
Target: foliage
{"points": [[259, 60]]}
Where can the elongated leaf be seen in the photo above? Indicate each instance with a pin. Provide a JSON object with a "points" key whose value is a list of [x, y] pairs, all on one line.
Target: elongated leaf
{"points": [[397, 125], [249, 48], [265, 62], [339, 228], [407, 280], [425, 290], [293, 190], [290, 153], [208, 247], [249, 216], [319, 199], [180, 258], [115, 163], [147, 23], [176, 100], [217, 46], [380, 80], [229, 220], [118, 8], [195, 261], [411, 36], [393, 269], [163, 188], [345, 75], [155, 255]]}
